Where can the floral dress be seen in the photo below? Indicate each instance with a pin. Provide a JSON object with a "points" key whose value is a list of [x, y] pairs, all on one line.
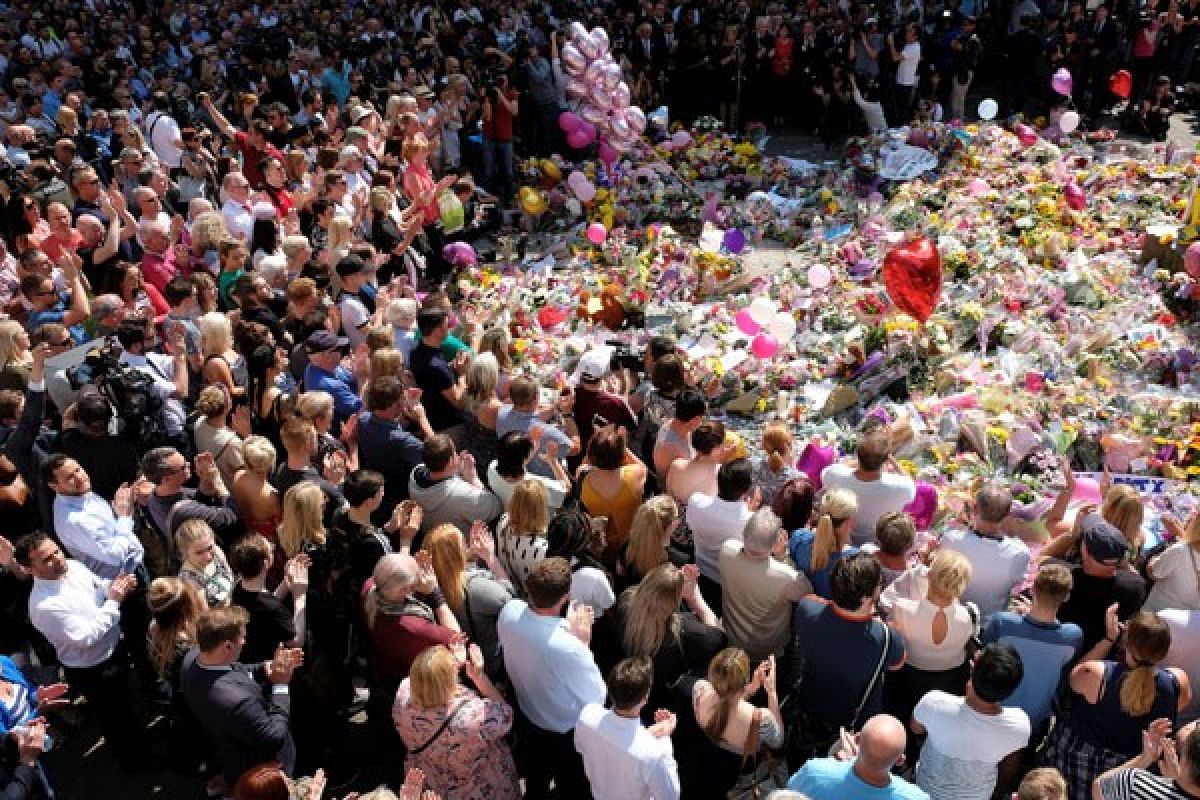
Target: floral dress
{"points": [[469, 759]]}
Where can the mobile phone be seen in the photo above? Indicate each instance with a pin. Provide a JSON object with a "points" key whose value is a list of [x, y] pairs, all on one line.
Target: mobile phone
{"points": [[130, 564]]}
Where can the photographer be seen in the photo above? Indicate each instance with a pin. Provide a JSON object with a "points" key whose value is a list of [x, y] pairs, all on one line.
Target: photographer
{"points": [[500, 109], [168, 375]]}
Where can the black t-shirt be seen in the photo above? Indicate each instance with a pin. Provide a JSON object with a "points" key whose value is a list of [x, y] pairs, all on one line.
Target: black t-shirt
{"points": [[1091, 596], [269, 626], [285, 478], [433, 375]]}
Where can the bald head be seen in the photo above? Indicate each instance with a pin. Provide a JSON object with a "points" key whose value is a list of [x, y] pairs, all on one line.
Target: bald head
{"points": [[881, 742]]}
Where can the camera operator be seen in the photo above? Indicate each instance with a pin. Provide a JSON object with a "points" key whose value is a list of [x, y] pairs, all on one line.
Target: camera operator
{"points": [[500, 110], [168, 373]]}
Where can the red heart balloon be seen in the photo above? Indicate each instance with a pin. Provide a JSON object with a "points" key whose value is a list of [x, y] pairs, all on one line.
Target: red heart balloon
{"points": [[1121, 83], [912, 274]]}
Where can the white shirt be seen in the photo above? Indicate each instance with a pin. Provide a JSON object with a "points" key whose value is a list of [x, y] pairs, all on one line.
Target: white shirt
{"points": [[163, 131], [239, 220], [892, 492], [591, 587], [1185, 653], [552, 671], [1176, 572], [914, 619], [713, 522], [624, 760], [910, 59], [355, 318], [556, 490], [964, 747], [76, 615], [997, 565], [93, 534]]}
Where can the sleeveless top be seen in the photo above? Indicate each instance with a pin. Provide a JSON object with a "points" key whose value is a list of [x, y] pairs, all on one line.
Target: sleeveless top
{"points": [[1104, 723], [619, 509]]}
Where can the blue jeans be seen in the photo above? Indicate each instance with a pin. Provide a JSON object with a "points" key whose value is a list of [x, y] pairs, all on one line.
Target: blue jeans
{"points": [[498, 169]]}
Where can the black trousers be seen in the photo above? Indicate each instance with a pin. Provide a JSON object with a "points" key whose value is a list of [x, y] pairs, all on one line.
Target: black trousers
{"points": [[106, 687], [545, 756]]}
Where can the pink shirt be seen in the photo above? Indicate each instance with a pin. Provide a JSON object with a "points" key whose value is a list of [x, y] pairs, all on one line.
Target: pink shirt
{"points": [[158, 270]]}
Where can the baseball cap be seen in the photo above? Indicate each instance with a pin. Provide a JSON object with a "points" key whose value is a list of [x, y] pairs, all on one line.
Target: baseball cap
{"points": [[594, 364], [1104, 542], [423, 91], [359, 114], [322, 341], [351, 265]]}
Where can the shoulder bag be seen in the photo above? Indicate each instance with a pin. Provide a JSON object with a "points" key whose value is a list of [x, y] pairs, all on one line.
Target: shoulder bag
{"points": [[416, 751], [762, 772]]}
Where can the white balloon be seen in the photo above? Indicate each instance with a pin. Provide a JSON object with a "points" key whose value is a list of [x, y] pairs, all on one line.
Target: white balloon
{"points": [[1069, 121], [988, 109], [762, 310], [575, 30], [636, 118], [600, 37], [782, 326]]}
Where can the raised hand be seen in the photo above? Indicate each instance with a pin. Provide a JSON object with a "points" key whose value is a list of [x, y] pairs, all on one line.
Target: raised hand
{"points": [[664, 724], [241, 422], [481, 545], [52, 695], [284, 663], [580, 619], [414, 781], [120, 587], [426, 578], [123, 501]]}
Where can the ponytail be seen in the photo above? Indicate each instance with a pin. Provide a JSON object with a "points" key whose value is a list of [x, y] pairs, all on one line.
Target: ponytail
{"points": [[777, 444], [720, 717], [1138, 690], [1147, 640], [776, 461], [824, 544]]}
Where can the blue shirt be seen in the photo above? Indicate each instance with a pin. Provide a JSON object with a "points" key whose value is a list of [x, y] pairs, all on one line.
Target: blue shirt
{"points": [[1045, 651], [510, 419], [830, 779], [94, 535], [340, 384], [386, 447], [800, 546]]}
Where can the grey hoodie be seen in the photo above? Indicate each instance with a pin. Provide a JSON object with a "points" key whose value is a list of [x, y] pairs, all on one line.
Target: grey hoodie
{"points": [[451, 500]]}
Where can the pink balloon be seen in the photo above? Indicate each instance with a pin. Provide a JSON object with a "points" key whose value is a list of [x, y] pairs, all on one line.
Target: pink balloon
{"points": [[569, 121], [573, 61], [597, 233], [578, 139], [745, 323], [636, 119], [1075, 196], [589, 129], [1087, 491], [576, 178], [600, 97], [607, 154], [586, 191], [1026, 135], [764, 345], [588, 46], [620, 128], [593, 73], [1062, 82], [612, 77], [576, 89], [600, 37], [1191, 260], [819, 276], [621, 96], [594, 116]]}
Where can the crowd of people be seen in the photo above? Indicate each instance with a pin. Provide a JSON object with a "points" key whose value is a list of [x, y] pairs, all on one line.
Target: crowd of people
{"points": [[263, 470]]}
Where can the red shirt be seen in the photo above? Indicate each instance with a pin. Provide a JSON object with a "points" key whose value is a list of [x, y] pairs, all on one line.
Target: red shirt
{"points": [[500, 127], [251, 156], [54, 247], [589, 403], [397, 640], [417, 181]]}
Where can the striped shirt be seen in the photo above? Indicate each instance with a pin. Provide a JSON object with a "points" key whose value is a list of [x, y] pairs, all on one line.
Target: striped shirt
{"points": [[1138, 784]]}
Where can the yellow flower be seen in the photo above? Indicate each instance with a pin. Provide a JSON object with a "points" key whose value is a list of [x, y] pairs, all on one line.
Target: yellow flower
{"points": [[999, 434], [520, 345]]}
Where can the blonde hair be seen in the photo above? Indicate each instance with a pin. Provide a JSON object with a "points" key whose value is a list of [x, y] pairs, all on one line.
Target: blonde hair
{"points": [[213, 402], [314, 405], [301, 518], [1043, 783], [381, 200], [1192, 534], [527, 508], [949, 573], [9, 331], [1147, 640], [483, 375], [66, 118], [341, 231], [1124, 509], [188, 533], [175, 604], [777, 444], [645, 550], [729, 674], [386, 362], [208, 230], [412, 145], [433, 677], [259, 455], [837, 506], [649, 610], [216, 334], [445, 547]]}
